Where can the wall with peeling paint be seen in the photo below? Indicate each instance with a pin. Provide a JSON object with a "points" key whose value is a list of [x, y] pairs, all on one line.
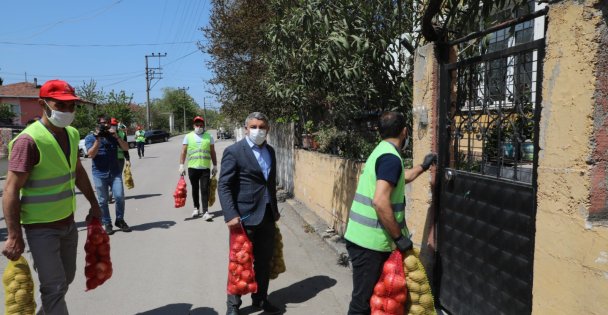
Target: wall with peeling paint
{"points": [[571, 250]]}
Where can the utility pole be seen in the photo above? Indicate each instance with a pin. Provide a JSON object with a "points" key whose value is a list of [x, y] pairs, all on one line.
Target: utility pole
{"points": [[184, 94], [204, 110], [151, 74]]}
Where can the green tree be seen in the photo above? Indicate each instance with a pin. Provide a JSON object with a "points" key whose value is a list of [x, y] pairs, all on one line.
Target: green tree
{"points": [[118, 106], [6, 114], [88, 92], [340, 63], [176, 102], [85, 120], [97, 102], [236, 48]]}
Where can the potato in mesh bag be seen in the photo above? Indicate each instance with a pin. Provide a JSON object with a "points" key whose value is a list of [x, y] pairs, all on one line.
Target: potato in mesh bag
{"points": [[277, 263], [18, 288], [212, 189], [420, 299]]}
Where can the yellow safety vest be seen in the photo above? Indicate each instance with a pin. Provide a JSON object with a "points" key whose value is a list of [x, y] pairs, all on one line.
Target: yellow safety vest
{"points": [[199, 155], [364, 228], [48, 194]]}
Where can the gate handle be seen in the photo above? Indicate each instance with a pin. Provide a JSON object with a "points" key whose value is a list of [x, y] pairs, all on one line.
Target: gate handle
{"points": [[449, 175]]}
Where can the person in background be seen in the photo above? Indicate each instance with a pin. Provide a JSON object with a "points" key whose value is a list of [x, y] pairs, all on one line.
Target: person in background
{"points": [[123, 156], [248, 195], [43, 171], [199, 149], [376, 223], [102, 147], [140, 140]]}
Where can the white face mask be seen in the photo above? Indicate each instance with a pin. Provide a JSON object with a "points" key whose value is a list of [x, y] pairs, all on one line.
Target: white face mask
{"points": [[257, 136], [59, 119], [199, 130]]}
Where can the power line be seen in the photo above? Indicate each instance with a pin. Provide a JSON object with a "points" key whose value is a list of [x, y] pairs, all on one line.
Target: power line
{"points": [[96, 45], [95, 12]]}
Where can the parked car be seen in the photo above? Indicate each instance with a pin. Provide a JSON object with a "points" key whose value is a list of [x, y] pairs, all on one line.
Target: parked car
{"points": [[82, 149], [131, 141], [224, 134], [156, 136]]}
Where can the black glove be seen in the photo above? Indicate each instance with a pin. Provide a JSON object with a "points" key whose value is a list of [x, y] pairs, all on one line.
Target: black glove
{"points": [[403, 243], [429, 159]]}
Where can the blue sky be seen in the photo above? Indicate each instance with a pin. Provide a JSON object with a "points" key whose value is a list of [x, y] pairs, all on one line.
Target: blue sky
{"points": [[107, 41]]}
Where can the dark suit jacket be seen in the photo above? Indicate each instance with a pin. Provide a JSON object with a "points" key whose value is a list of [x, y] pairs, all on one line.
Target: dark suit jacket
{"points": [[242, 184]]}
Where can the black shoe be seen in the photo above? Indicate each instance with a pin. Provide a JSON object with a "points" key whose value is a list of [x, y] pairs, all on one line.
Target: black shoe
{"points": [[123, 226], [266, 306], [232, 311], [108, 228], [111, 200]]}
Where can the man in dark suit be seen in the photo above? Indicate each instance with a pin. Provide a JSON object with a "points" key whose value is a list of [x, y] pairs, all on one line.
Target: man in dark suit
{"points": [[247, 193]]}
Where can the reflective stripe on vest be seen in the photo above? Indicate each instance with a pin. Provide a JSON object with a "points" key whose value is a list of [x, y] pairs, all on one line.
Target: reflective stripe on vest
{"points": [[369, 202], [39, 183], [364, 228], [199, 155], [47, 198], [48, 195]]}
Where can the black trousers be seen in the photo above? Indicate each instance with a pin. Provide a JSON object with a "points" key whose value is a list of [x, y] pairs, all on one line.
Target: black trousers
{"points": [[140, 148], [262, 237], [367, 268], [199, 179]]}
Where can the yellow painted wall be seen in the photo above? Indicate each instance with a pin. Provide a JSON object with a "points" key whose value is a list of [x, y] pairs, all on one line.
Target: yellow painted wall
{"points": [[326, 185], [418, 193], [571, 255]]}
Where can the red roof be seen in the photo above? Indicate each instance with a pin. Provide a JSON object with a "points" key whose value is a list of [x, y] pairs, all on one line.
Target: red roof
{"points": [[21, 89]]}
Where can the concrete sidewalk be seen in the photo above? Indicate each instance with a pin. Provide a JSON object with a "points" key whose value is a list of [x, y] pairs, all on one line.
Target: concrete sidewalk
{"points": [[315, 225]]}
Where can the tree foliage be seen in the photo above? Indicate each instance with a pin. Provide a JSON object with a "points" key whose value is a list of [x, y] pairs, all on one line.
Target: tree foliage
{"points": [[176, 102], [336, 63], [6, 114], [112, 104], [234, 35], [338, 59], [451, 19]]}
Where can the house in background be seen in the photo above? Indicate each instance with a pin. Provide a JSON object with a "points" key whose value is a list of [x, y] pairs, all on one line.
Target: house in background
{"points": [[23, 98]]}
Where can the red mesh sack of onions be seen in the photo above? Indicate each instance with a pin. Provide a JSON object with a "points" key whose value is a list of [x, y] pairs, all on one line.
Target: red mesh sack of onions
{"points": [[390, 291], [241, 278], [181, 192], [98, 268]]}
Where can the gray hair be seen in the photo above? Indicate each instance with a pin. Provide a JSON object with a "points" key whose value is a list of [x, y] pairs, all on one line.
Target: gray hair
{"points": [[258, 116]]}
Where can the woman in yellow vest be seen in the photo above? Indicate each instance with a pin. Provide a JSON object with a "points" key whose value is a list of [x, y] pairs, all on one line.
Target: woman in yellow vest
{"points": [[376, 223], [198, 147], [39, 194]]}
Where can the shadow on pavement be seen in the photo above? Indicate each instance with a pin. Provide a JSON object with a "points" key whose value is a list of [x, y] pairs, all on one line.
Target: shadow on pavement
{"points": [[180, 308], [153, 225], [218, 213], [298, 292], [142, 196], [203, 311]]}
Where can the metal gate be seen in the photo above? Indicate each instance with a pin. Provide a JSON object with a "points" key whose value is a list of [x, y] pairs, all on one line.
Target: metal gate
{"points": [[489, 114]]}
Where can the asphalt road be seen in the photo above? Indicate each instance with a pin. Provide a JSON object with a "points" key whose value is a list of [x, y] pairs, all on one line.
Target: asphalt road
{"points": [[172, 264]]}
